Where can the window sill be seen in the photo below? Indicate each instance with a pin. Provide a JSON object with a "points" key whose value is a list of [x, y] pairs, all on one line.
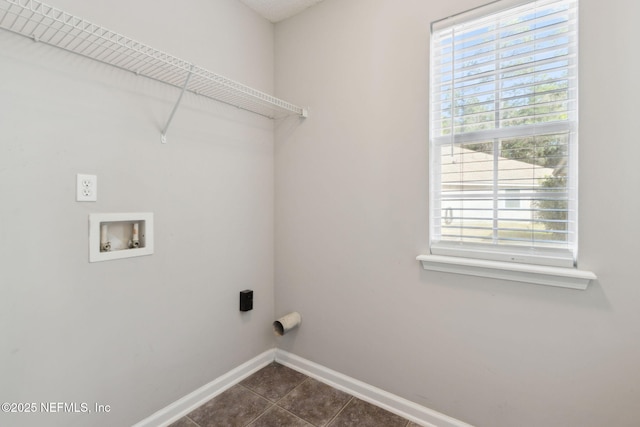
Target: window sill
{"points": [[542, 275]]}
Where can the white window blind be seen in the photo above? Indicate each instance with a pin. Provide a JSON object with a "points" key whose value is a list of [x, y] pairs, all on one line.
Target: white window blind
{"points": [[503, 133]]}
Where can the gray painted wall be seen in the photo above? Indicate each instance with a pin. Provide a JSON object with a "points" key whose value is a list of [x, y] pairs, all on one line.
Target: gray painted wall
{"points": [[351, 216], [140, 333]]}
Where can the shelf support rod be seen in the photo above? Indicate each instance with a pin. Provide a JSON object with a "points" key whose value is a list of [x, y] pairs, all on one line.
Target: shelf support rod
{"points": [[163, 138]]}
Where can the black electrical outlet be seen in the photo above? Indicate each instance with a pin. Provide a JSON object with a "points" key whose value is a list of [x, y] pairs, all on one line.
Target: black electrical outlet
{"points": [[246, 300]]}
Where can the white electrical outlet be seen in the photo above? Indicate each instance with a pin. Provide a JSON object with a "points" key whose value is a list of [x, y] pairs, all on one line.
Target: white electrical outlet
{"points": [[86, 188]]}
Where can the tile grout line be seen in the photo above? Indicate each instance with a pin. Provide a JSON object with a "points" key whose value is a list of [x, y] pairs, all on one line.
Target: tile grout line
{"points": [[341, 409], [291, 391], [275, 403], [307, 378], [187, 417], [260, 415], [296, 416], [271, 404]]}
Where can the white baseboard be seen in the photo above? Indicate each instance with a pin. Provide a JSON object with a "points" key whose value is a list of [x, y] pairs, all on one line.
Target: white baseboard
{"points": [[188, 403], [392, 403]]}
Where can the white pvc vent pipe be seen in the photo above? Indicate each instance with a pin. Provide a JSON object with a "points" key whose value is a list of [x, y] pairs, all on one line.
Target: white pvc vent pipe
{"points": [[287, 323]]}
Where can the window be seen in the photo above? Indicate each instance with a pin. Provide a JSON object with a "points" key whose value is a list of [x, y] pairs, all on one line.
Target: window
{"points": [[503, 133]]}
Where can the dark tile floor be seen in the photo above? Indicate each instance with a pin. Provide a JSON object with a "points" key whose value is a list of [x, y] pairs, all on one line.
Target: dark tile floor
{"points": [[277, 396]]}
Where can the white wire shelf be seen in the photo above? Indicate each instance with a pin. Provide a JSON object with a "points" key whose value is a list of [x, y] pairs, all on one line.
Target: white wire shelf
{"points": [[47, 24]]}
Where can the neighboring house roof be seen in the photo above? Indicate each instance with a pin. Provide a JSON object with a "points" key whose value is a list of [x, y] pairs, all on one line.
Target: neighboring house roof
{"points": [[462, 167]]}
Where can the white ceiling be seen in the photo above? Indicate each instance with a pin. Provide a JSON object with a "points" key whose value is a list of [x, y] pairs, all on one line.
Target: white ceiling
{"points": [[277, 10]]}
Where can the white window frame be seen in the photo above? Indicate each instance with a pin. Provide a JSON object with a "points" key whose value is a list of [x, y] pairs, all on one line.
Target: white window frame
{"points": [[548, 266]]}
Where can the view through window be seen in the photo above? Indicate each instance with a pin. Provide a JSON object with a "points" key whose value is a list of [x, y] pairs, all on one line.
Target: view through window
{"points": [[503, 133]]}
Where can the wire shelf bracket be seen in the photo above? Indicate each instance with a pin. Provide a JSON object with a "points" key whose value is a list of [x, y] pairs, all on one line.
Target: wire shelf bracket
{"points": [[163, 137], [47, 24]]}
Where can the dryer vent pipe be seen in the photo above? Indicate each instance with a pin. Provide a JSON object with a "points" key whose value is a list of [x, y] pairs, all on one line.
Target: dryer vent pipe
{"points": [[287, 323]]}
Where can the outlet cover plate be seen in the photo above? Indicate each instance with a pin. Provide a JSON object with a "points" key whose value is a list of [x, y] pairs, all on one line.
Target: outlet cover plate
{"points": [[86, 188]]}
